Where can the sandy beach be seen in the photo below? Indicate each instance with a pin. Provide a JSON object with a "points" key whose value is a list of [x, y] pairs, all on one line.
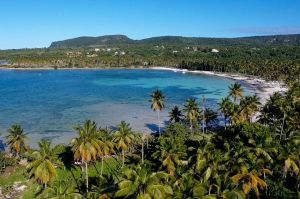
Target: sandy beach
{"points": [[263, 89]]}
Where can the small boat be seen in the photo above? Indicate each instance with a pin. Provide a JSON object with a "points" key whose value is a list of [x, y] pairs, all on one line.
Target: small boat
{"points": [[183, 72]]}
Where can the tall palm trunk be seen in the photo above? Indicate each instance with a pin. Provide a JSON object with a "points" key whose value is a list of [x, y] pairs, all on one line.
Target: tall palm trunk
{"points": [[142, 151], [86, 177], [147, 141], [191, 125], [101, 165], [282, 125], [203, 110], [225, 122], [158, 119], [123, 158], [209, 190]]}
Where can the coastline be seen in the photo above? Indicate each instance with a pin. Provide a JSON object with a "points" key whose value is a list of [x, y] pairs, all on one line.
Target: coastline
{"points": [[263, 89], [260, 87], [73, 68]]}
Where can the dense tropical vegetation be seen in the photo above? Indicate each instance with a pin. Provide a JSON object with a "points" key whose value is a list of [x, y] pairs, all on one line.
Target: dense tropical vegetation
{"points": [[246, 150], [273, 58]]}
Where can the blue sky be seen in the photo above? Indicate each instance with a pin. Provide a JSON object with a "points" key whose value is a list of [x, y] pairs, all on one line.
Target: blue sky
{"points": [[36, 23]]}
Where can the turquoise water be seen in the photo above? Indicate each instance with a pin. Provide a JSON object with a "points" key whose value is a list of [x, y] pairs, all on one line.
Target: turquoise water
{"points": [[48, 103]]}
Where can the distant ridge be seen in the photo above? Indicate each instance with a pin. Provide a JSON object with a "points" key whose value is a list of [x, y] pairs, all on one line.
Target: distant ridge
{"points": [[293, 39]]}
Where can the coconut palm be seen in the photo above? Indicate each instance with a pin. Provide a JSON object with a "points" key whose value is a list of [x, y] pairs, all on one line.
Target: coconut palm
{"points": [[157, 104], [175, 114], [192, 111], [210, 117], [251, 180], [106, 149], [45, 161], [123, 138], [236, 91], [226, 108], [86, 146], [16, 139], [104, 137], [141, 138], [61, 190], [169, 154], [249, 106], [292, 165], [103, 187], [203, 114], [140, 183]]}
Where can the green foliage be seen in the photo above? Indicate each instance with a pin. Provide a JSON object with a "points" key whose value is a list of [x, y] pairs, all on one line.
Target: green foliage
{"points": [[16, 140], [248, 159], [176, 40], [45, 161], [266, 58], [6, 161]]}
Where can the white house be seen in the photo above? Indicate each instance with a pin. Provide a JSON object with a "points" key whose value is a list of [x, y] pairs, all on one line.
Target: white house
{"points": [[214, 50]]}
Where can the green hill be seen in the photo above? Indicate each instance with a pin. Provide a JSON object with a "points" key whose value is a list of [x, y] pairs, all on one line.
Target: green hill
{"points": [[93, 41], [177, 40]]}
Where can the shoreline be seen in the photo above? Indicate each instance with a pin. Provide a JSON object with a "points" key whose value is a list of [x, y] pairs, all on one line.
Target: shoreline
{"points": [[73, 68], [262, 88]]}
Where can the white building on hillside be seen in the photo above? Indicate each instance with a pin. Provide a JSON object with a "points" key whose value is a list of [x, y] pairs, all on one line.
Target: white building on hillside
{"points": [[215, 50]]}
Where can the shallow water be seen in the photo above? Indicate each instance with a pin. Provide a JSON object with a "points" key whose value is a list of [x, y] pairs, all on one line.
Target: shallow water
{"points": [[48, 103]]}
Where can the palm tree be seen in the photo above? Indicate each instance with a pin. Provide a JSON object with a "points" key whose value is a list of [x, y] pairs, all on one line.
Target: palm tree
{"points": [[142, 138], [106, 149], [175, 114], [86, 146], [251, 180], [45, 161], [61, 190], [236, 91], [225, 107], [103, 187], [169, 154], [123, 138], [210, 117], [249, 106], [140, 183], [203, 114], [157, 104], [192, 111], [16, 139], [106, 145]]}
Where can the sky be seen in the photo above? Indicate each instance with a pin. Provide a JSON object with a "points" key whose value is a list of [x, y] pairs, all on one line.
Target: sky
{"points": [[36, 23]]}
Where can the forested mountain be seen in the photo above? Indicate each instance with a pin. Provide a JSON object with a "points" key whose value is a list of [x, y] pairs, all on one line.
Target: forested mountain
{"points": [[91, 41], [178, 40]]}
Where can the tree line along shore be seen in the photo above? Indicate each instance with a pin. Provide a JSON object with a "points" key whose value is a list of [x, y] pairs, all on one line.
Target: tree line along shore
{"points": [[274, 62], [190, 158]]}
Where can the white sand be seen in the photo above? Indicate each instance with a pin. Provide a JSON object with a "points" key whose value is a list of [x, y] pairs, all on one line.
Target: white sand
{"points": [[263, 89]]}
